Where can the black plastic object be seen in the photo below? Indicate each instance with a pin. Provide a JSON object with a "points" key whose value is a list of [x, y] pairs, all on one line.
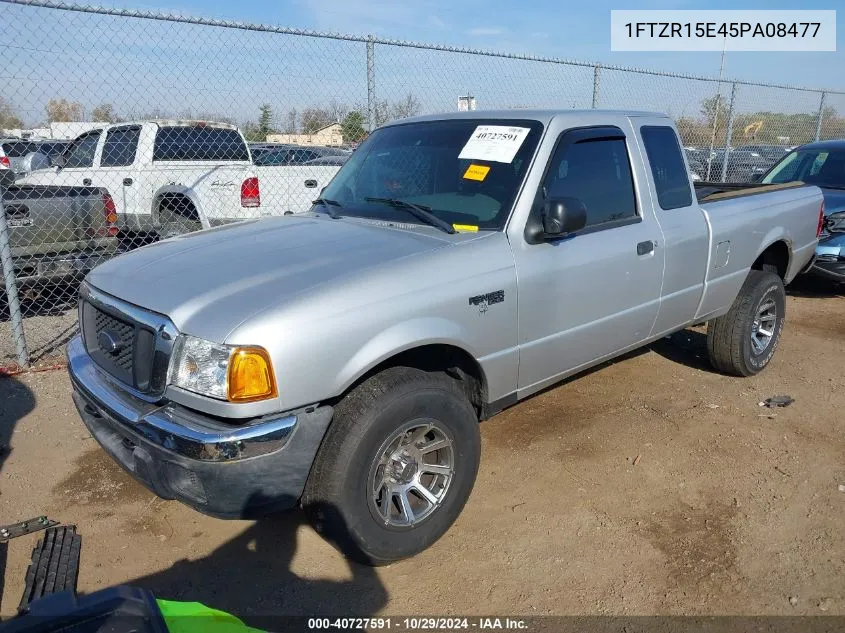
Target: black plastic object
{"points": [[54, 566], [113, 610]]}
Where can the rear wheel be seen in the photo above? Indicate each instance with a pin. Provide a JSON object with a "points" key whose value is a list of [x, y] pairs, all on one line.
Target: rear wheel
{"points": [[743, 341], [396, 467]]}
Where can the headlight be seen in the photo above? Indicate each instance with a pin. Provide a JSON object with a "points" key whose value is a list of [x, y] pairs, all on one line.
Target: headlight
{"points": [[225, 372]]}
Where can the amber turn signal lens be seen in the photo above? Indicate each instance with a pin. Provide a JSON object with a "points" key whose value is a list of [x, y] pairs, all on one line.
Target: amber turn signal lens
{"points": [[251, 375]]}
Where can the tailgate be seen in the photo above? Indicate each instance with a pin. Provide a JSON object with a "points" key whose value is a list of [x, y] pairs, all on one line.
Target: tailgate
{"points": [[44, 219]]}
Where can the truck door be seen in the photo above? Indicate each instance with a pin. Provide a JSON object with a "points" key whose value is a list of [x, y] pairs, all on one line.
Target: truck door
{"points": [[594, 293], [116, 172], [78, 161], [686, 235]]}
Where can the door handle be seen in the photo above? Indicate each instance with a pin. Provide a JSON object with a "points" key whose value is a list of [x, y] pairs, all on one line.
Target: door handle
{"points": [[86, 181], [127, 181], [644, 248], [310, 183]]}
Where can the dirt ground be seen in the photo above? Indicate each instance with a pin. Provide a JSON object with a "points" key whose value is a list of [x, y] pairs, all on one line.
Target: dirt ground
{"points": [[651, 485]]}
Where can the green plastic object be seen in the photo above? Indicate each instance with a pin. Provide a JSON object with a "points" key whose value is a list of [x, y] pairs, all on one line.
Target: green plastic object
{"points": [[195, 617]]}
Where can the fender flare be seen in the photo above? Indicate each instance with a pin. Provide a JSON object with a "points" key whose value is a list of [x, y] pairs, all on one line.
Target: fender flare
{"points": [[183, 190]]}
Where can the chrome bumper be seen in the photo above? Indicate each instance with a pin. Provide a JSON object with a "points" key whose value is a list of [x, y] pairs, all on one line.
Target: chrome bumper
{"points": [[170, 426]]}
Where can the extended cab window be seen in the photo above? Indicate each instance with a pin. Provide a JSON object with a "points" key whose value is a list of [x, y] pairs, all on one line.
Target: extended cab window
{"points": [[81, 151], [667, 166], [199, 143], [120, 146], [598, 173]]}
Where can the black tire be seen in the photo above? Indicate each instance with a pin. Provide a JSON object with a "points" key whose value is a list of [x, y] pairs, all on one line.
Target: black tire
{"points": [[338, 495], [729, 338]]}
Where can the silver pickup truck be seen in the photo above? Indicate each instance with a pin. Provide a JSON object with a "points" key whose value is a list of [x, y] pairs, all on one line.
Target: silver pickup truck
{"points": [[455, 265], [56, 234]]}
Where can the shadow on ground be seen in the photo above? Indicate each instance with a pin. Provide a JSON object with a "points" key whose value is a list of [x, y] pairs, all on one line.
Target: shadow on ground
{"points": [[250, 577], [687, 347], [16, 401], [814, 286]]}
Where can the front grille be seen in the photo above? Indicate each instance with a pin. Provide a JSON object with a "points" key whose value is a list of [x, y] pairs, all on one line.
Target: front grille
{"points": [[124, 348], [125, 336]]}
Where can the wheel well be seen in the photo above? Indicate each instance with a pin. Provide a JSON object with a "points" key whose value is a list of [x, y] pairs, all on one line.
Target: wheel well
{"points": [[179, 204], [775, 259], [451, 360]]}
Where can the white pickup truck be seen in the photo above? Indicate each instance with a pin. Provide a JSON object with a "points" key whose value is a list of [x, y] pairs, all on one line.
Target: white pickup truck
{"points": [[171, 177]]}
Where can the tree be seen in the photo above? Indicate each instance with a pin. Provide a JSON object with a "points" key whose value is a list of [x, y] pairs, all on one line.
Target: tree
{"points": [[407, 107], [63, 110], [290, 125], [265, 121], [714, 106], [104, 113], [353, 127], [9, 119], [314, 119]]}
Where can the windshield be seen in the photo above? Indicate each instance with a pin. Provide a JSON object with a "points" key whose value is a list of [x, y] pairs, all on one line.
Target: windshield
{"points": [[822, 167], [464, 171]]}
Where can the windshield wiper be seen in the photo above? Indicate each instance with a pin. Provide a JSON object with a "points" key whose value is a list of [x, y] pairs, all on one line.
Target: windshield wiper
{"points": [[419, 211], [334, 215]]}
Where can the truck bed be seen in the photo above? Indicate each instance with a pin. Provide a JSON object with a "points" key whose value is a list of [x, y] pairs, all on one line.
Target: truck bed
{"points": [[712, 191]]}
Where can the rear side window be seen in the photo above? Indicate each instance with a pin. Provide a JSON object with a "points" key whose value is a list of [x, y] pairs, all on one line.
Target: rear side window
{"points": [[667, 167], [596, 172], [199, 143], [120, 147], [82, 149], [19, 149]]}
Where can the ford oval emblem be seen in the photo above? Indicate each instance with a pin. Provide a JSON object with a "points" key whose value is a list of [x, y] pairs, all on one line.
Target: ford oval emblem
{"points": [[109, 341]]}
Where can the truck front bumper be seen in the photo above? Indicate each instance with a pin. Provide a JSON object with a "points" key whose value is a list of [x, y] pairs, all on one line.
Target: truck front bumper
{"points": [[220, 469]]}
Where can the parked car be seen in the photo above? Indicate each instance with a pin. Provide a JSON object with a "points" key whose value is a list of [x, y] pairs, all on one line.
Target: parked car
{"points": [[171, 177], [57, 233], [335, 161], [13, 151], [283, 155], [343, 359], [821, 164]]}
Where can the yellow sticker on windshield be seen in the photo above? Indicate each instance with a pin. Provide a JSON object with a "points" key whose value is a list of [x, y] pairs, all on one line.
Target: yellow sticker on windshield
{"points": [[476, 172], [468, 228]]}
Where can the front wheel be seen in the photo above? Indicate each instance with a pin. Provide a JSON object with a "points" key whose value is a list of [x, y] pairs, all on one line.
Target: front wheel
{"points": [[396, 467], [743, 341]]}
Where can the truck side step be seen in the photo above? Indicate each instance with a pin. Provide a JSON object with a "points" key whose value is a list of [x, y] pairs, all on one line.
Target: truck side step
{"points": [[54, 566]]}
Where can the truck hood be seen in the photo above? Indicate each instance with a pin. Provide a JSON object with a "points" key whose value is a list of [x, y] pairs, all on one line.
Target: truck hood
{"points": [[209, 282]]}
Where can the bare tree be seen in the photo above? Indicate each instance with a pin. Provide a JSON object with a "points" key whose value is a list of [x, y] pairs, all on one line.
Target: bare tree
{"points": [[8, 117], [105, 113], [409, 106], [291, 122], [63, 110], [314, 119]]}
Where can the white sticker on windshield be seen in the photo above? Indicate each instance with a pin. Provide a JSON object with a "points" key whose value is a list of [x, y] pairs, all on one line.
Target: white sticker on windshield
{"points": [[498, 143]]}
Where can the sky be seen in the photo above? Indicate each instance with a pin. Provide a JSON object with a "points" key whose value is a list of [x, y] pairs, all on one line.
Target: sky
{"points": [[144, 67], [570, 30]]}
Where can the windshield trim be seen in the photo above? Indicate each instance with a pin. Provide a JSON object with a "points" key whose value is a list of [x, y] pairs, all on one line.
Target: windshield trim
{"points": [[516, 121]]}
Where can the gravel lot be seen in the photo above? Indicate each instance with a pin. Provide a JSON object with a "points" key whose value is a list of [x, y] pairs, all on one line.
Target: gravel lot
{"points": [[651, 485]]}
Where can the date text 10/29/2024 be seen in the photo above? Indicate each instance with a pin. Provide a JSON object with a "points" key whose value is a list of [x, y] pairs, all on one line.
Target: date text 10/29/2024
{"points": [[418, 624]]}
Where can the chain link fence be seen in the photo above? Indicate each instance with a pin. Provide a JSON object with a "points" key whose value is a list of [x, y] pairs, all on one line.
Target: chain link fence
{"points": [[123, 127]]}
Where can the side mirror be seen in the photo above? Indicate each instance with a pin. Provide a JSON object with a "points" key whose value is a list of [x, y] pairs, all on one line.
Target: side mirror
{"points": [[756, 177], [58, 161], [562, 216]]}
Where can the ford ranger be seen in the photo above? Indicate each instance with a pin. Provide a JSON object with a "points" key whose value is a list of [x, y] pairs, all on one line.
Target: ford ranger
{"points": [[342, 359]]}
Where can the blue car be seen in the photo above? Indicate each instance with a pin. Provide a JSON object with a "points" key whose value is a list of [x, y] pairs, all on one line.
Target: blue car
{"points": [[821, 164]]}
